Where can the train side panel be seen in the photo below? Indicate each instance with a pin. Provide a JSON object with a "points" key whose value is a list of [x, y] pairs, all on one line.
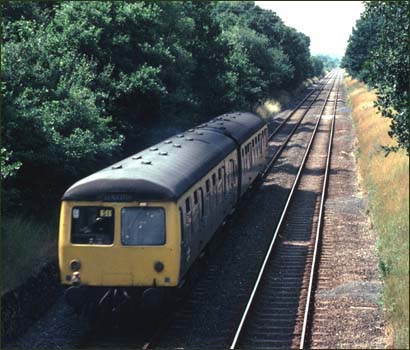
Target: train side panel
{"points": [[204, 207], [253, 157]]}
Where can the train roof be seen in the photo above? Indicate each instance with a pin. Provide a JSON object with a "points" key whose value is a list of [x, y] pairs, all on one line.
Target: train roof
{"points": [[239, 126], [168, 169]]}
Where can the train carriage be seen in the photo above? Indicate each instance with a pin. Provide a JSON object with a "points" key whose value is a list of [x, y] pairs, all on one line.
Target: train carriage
{"points": [[144, 221]]}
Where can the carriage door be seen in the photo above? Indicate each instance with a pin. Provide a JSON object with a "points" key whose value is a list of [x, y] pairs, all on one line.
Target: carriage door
{"points": [[196, 222], [232, 181], [202, 221], [214, 203], [186, 235]]}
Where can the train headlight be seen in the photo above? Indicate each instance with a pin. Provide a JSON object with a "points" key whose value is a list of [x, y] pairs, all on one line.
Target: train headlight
{"points": [[75, 265], [158, 266]]}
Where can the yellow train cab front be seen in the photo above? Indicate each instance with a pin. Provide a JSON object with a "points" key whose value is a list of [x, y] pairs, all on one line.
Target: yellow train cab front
{"points": [[119, 244]]}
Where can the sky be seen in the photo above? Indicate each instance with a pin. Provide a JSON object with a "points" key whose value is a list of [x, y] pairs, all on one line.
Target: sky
{"points": [[327, 23]]}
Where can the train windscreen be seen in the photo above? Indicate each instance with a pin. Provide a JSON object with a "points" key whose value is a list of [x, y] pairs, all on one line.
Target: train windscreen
{"points": [[143, 226], [92, 225]]}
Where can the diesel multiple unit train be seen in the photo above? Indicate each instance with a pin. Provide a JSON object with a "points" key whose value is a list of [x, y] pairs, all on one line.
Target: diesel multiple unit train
{"points": [[138, 226]]}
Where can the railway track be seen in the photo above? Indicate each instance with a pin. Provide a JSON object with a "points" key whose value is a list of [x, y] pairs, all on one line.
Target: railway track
{"points": [[279, 138], [172, 328], [277, 312]]}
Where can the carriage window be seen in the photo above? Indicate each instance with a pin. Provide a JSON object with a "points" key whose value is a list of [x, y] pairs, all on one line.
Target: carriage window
{"points": [[181, 218], [195, 197], [213, 179], [201, 194], [143, 226], [187, 205], [92, 225], [207, 185], [220, 173], [232, 167]]}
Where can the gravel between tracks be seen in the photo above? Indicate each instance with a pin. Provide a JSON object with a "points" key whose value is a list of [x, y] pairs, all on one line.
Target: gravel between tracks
{"points": [[347, 309], [215, 306]]}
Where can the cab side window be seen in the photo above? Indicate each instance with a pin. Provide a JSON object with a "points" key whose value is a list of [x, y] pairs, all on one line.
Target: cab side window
{"points": [[187, 205]]}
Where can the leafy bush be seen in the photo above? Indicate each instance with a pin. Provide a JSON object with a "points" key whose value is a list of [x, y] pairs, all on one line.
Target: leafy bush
{"points": [[82, 80], [378, 53]]}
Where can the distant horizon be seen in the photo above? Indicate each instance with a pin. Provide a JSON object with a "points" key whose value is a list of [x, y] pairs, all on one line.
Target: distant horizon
{"points": [[328, 33], [326, 54]]}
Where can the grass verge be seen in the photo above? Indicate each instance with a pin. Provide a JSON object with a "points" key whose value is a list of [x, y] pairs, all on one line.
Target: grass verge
{"points": [[386, 180], [27, 244]]}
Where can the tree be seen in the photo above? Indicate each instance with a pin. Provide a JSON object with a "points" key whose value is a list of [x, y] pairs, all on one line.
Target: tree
{"points": [[390, 68], [82, 81], [318, 66], [378, 54], [54, 126], [364, 39]]}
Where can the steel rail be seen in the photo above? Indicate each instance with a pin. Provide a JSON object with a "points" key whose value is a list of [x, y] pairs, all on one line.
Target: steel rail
{"points": [[297, 107], [279, 225], [150, 343], [319, 225], [284, 143]]}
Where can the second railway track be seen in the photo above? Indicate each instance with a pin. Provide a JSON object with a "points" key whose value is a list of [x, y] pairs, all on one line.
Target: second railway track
{"points": [[187, 327], [277, 312]]}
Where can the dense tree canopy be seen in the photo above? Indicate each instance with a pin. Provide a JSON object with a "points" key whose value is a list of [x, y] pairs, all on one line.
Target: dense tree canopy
{"points": [[378, 53], [82, 80]]}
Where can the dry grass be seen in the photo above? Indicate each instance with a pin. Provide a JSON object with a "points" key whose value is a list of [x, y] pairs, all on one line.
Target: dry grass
{"points": [[386, 180]]}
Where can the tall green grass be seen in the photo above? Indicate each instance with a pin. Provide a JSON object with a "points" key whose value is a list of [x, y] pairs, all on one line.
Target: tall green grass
{"points": [[386, 180], [28, 243]]}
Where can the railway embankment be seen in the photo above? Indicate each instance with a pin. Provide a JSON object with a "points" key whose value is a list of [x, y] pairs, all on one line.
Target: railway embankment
{"points": [[30, 282], [25, 304], [384, 180]]}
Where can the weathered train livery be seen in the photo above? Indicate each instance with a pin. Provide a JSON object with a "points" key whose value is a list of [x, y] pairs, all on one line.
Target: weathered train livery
{"points": [[145, 220]]}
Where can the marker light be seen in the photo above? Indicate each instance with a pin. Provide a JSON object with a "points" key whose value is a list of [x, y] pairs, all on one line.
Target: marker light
{"points": [[75, 265], [158, 266]]}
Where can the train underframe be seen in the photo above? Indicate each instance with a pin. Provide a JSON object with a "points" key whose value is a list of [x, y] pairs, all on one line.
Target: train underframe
{"points": [[111, 304]]}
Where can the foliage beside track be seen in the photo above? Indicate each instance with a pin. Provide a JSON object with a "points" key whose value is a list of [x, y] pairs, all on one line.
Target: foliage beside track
{"points": [[82, 81], [328, 63], [386, 180], [378, 53]]}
